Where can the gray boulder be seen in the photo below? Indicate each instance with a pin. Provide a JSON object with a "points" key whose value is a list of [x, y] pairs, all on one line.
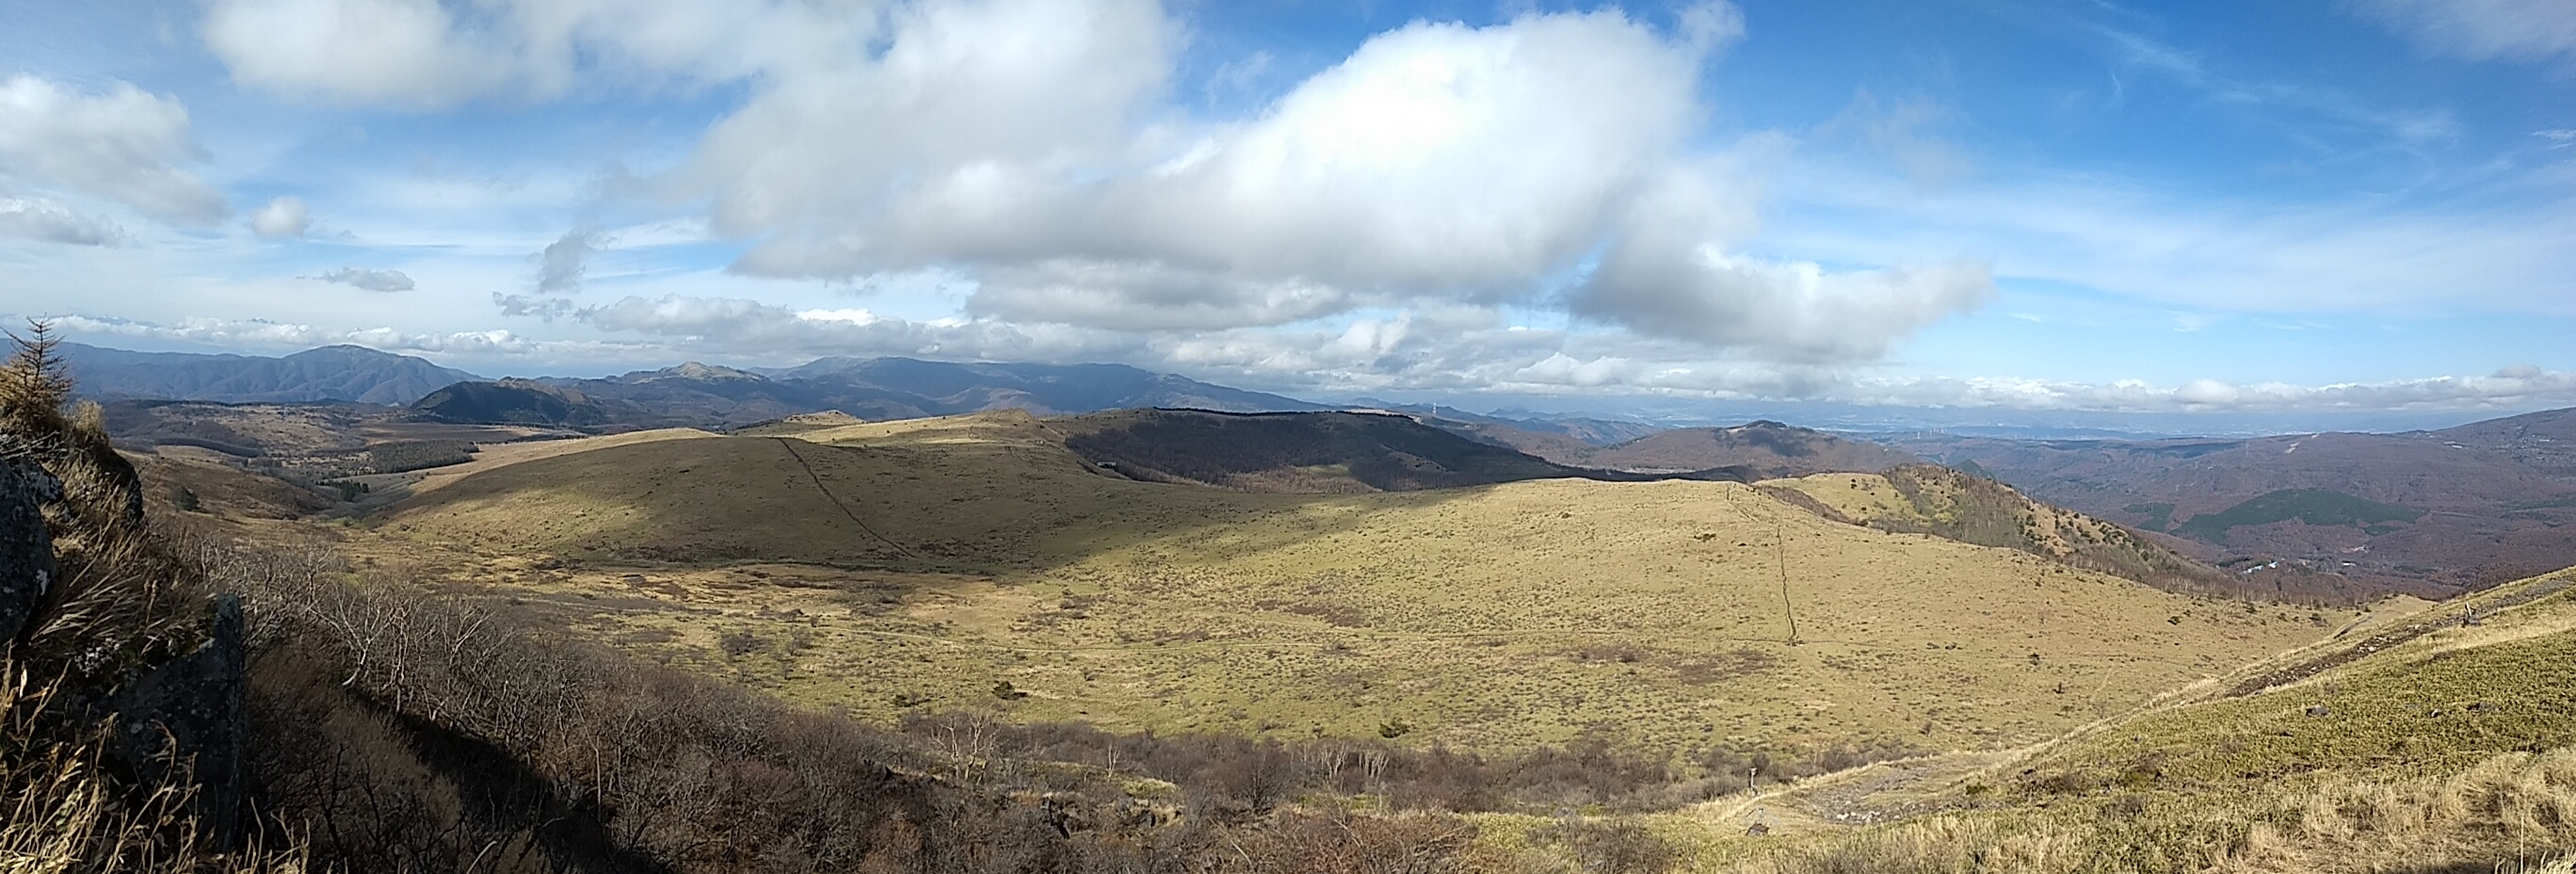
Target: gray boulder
{"points": [[188, 720], [26, 545]]}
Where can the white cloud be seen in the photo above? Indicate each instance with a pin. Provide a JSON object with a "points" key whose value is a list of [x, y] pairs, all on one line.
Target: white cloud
{"points": [[2518, 387], [398, 51], [1905, 130], [1032, 147], [123, 145], [1145, 296], [1663, 278], [428, 53], [2215, 251], [1711, 25], [38, 218], [563, 263], [260, 333], [281, 217], [2482, 29], [370, 280], [1438, 162], [1794, 310]]}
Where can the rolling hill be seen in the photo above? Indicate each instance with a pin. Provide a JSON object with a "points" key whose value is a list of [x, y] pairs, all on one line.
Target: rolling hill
{"points": [[884, 567], [1294, 452], [1931, 499], [2430, 512]]}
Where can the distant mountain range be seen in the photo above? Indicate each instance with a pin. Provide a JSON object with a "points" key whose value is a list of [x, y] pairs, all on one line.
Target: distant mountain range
{"points": [[353, 374], [2468, 506], [2427, 511], [689, 394], [700, 395], [1757, 450]]}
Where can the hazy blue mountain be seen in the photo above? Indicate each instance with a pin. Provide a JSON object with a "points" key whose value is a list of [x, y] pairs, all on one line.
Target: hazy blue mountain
{"points": [[330, 373], [1044, 388], [700, 395]]}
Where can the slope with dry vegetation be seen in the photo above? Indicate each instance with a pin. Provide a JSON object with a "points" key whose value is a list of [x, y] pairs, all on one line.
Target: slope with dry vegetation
{"points": [[953, 645]]}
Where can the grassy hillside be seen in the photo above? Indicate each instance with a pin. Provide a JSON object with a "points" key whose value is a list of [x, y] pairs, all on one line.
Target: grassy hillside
{"points": [[918, 566], [2492, 499], [2414, 743], [1936, 500]]}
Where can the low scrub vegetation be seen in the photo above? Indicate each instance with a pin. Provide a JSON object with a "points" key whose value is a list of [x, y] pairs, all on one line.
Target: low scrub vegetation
{"points": [[414, 455]]}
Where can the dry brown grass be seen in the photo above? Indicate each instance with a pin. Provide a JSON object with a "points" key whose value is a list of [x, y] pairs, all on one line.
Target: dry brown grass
{"points": [[1466, 614], [62, 813], [2510, 813]]}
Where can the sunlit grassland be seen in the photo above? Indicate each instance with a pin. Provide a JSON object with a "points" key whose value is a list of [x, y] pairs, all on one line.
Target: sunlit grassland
{"points": [[2454, 747], [919, 565]]}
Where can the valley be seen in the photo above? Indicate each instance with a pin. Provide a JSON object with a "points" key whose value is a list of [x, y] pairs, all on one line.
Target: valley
{"points": [[1855, 651], [929, 561]]}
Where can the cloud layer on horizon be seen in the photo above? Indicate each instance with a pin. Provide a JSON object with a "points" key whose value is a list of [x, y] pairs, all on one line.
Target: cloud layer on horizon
{"points": [[709, 328]]}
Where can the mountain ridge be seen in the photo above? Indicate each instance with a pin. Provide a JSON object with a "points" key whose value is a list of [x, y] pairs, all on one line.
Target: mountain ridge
{"points": [[343, 372]]}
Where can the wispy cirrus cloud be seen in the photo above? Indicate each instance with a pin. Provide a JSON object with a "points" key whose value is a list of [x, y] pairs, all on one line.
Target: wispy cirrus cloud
{"points": [[2524, 30], [370, 280]]}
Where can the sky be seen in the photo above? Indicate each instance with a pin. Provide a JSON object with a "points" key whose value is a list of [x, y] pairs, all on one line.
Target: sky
{"points": [[2306, 210]]}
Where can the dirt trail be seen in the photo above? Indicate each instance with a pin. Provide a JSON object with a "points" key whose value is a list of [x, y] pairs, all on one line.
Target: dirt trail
{"points": [[1868, 795]]}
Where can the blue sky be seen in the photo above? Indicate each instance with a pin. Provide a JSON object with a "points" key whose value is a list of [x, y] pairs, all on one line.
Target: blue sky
{"points": [[2283, 209]]}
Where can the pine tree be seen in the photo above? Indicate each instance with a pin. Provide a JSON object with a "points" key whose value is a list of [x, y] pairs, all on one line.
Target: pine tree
{"points": [[33, 385]]}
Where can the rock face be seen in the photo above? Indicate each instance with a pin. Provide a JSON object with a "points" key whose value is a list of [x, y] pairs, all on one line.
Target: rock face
{"points": [[188, 720], [26, 546]]}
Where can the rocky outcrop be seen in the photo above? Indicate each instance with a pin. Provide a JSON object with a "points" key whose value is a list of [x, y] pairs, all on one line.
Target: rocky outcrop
{"points": [[188, 721], [26, 545], [182, 722]]}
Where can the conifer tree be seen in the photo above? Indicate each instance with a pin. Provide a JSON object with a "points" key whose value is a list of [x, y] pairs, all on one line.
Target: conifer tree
{"points": [[33, 385]]}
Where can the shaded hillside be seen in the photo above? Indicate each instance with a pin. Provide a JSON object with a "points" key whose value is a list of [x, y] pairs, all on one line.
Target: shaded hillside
{"points": [[1935, 500], [1295, 452], [1760, 450], [516, 402], [2493, 500], [331, 373]]}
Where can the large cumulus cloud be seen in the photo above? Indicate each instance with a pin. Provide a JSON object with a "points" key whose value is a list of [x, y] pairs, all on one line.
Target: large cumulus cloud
{"points": [[1033, 146], [121, 144]]}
